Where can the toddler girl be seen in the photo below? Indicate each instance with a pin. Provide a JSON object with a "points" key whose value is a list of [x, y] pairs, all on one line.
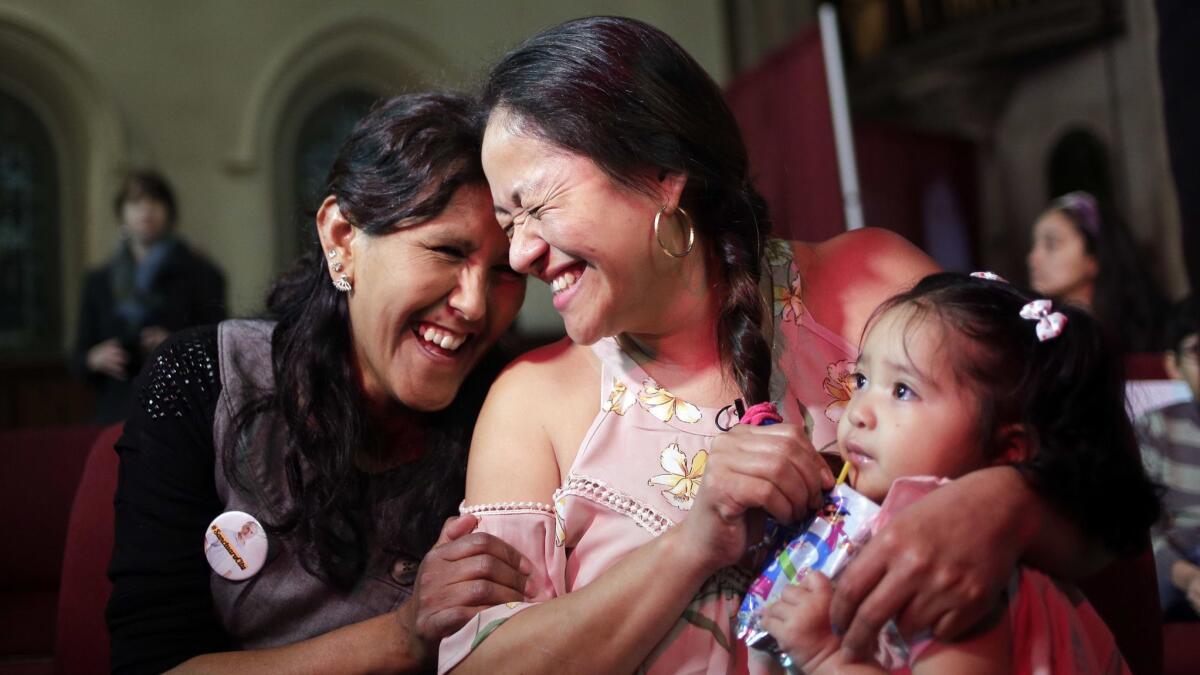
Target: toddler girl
{"points": [[964, 372]]}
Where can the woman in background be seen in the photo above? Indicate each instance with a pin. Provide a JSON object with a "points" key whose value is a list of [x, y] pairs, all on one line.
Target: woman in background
{"points": [[153, 286], [1081, 256]]}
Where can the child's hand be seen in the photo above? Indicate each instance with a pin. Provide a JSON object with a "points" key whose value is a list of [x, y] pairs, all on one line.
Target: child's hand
{"points": [[799, 622]]}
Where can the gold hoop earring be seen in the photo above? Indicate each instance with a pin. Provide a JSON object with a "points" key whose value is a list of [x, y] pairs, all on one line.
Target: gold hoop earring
{"points": [[691, 233]]}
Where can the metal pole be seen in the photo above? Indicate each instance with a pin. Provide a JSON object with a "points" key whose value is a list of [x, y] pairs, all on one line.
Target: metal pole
{"points": [[843, 138]]}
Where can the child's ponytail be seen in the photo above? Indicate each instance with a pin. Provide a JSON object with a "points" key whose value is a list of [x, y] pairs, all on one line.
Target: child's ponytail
{"points": [[1086, 459], [1067, 390]]}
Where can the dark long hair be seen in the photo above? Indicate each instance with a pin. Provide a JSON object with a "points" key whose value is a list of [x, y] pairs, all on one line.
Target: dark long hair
{"points": [[400, 166], [1127, 301], [1068, 392], [627, 96]]}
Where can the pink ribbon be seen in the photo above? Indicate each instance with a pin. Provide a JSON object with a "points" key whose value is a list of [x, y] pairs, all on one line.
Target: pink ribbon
{"points": [[1049, 324], [990, 276]]}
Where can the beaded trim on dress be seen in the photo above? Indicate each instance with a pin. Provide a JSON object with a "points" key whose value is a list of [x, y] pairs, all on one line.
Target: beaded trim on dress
{"points": [[505, 507], [646, 516]]}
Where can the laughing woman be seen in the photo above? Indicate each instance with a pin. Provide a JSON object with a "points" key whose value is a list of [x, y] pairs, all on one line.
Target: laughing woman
{"points": [[341, 426], [620, 175]]}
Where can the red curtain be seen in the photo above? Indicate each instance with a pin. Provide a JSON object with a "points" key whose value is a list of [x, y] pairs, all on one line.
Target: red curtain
{"points": [[783, 109]]}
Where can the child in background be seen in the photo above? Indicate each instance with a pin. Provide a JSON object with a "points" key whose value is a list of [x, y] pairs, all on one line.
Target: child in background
{"points": [[964, 372], [1170, 442]]}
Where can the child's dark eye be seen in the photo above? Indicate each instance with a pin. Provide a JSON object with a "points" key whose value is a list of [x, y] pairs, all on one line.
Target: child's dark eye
{"points": [[858, 381], [903, 392]]}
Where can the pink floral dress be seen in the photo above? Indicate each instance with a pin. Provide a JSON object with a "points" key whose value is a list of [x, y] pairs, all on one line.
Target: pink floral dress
{"points": [[637, 473]]}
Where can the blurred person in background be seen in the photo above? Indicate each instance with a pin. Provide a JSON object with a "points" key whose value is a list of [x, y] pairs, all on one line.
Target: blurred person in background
{"points": [[1082, 257], [1170, 443], [153, 286]]}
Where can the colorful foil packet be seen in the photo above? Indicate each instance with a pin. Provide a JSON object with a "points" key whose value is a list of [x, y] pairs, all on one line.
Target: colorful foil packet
{"points": [[825, 543]]}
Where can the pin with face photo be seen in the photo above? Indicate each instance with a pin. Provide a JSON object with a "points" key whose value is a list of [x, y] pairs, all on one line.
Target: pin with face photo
{"points": [[235, 545]]}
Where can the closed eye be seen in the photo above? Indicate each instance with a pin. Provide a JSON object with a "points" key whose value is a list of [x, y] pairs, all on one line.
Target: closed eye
{"points": [[450, 252]]}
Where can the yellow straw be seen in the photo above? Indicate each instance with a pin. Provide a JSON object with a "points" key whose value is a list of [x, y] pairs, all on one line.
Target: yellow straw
{"points": [[842, 476]]}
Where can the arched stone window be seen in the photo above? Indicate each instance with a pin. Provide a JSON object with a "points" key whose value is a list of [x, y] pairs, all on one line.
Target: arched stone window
{"points": [[29, 233], [1079, 160], [320, 135]]}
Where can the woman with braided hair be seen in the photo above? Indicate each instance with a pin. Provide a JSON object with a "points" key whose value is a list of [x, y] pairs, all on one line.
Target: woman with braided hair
{"points": [[619, 174]]}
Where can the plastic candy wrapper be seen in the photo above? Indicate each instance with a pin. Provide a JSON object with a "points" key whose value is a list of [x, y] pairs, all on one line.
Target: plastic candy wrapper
{"points": [[825, 543]]}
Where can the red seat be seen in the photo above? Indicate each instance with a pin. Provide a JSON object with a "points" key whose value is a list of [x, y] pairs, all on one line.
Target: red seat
{"points": [[1182, 648], [81, 637], [1145, 366], [42, 469]]}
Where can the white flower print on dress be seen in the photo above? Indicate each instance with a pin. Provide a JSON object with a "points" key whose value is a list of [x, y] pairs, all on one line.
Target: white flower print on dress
{"points": [[619, 399], [682, 478], [664, 405]]}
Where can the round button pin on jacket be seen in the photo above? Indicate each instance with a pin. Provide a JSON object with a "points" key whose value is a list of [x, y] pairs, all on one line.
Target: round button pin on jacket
{"points": [[235, 545]]}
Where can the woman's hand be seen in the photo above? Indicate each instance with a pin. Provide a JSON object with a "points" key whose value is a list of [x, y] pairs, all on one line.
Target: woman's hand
{"points": [[774, 468], [108, 358], [463, 574], [941, 563], [799, 622]]}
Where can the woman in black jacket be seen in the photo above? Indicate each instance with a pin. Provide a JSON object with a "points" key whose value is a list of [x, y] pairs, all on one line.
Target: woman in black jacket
{"points": [[153, 286]]}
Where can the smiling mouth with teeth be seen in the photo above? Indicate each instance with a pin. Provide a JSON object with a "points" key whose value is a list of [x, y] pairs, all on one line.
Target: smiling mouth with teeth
{"points": [[563, 281], [439, 337]]}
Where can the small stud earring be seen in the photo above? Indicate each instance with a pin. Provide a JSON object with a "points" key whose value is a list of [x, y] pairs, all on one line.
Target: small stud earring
{"points": [[336, 266], [333, 253]]}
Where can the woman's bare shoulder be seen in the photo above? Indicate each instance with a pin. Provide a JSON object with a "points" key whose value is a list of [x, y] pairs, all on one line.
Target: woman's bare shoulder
{"points": [[532, 407], [846, 277], [547, 363], [882, 254], [553, 373]]}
